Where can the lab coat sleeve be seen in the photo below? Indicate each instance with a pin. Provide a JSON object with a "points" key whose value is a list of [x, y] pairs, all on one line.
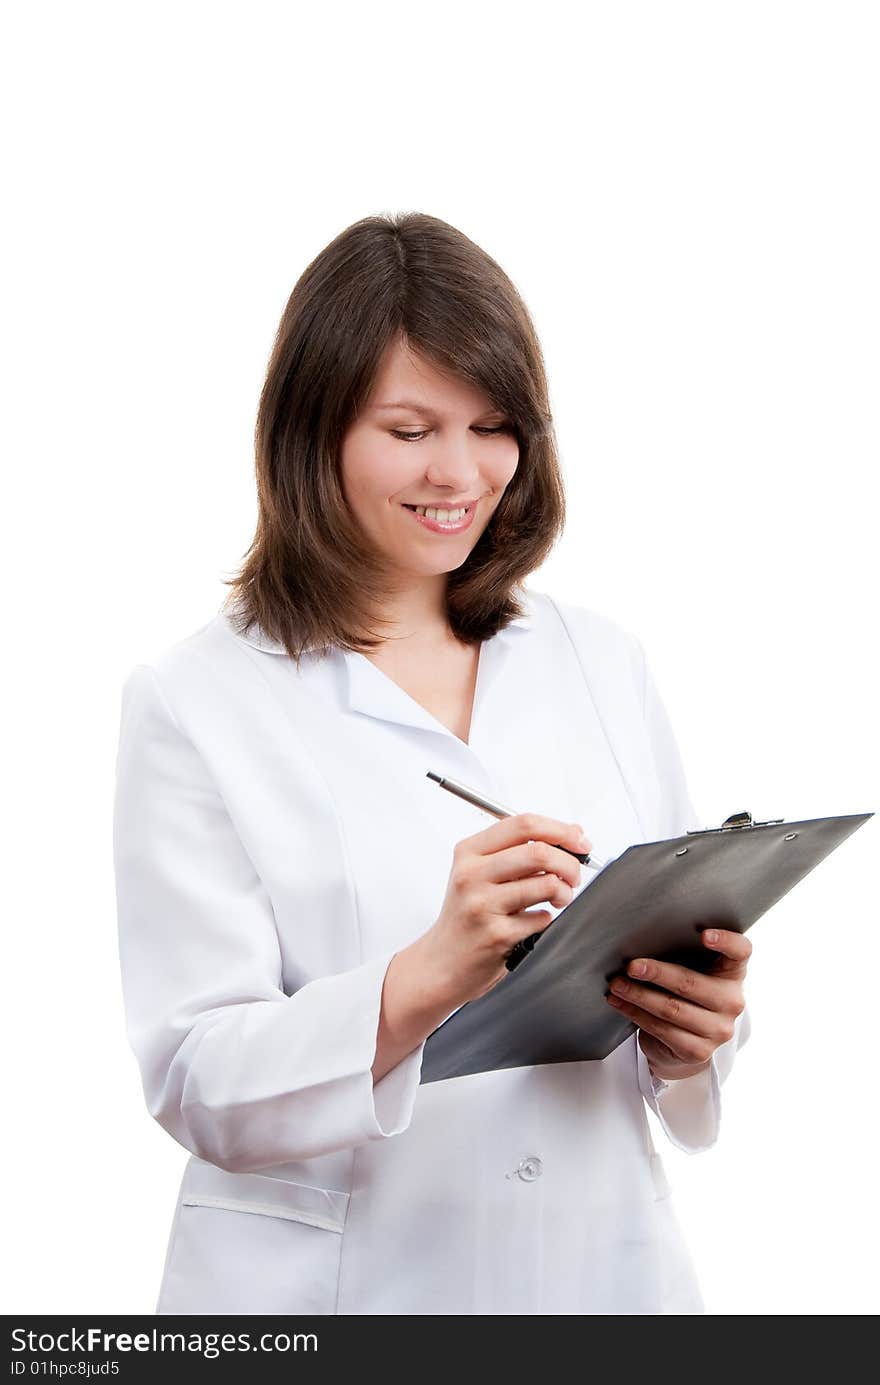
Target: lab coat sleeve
{"points": [[236, 1070], [688, 1109]]}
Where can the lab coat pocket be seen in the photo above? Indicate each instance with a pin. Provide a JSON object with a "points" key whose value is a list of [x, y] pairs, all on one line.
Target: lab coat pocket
{"points": [[249, 1243]]}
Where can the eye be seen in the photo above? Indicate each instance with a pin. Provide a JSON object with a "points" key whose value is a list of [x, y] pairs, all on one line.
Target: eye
{"points": [[416, 437]]}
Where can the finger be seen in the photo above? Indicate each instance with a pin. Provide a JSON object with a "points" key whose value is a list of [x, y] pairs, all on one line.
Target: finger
{"points": [[654, 1049], [528, 859], [734, 951], [685, 1045], [708, 1024], [513, 896], [531, 923], [526, 827], [713, 991]]}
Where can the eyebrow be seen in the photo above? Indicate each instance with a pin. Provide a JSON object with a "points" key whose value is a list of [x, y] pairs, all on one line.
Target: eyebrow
{"points": [[425, 408]]}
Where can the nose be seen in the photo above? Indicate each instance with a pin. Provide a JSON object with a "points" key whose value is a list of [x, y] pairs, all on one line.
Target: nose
{"points": [[455, 467]]}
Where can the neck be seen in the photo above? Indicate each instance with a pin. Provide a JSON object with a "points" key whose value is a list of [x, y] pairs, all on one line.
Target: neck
{"points": [[417, 614]]}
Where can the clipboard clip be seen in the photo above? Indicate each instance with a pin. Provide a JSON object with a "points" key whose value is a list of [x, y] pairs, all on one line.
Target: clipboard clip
{"points": [[736, 820]]}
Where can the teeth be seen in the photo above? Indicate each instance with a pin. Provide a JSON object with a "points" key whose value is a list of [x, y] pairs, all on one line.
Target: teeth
{"points": [[444, 516]]}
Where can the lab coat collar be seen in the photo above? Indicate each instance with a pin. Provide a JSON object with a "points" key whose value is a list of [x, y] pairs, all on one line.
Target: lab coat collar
{"points": [[371, 692]]}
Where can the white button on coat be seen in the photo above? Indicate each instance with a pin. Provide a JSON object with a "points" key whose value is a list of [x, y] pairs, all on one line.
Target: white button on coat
{"points": [[276, 841], [530, 1169]]}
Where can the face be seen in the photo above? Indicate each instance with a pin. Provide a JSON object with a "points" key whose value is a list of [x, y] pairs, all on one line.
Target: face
{"points": [[426, 439]]}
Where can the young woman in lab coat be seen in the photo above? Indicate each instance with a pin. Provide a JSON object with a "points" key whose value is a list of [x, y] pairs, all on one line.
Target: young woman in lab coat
{"points": [[300, 906]]}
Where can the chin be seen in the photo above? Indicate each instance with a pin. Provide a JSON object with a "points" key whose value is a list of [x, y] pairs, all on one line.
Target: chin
{"points": [[436, 569]]}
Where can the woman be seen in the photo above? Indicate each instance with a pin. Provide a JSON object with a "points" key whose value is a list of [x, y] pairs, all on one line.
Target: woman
{"points": [[300, 906]]}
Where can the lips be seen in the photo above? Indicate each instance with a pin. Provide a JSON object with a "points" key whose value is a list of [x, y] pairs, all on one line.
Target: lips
{"points": [[438, 527]]}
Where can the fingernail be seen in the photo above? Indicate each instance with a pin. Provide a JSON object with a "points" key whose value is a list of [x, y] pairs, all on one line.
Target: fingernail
{"points": [[637, 968], [710, 935]]}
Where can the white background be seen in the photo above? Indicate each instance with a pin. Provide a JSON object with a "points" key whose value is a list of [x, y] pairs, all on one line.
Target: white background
{"points": [[686, 195]]}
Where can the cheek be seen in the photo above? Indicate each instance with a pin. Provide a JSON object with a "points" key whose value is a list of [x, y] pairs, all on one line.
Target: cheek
{"points": [[373, 473], [394, 475], [502, 466]]}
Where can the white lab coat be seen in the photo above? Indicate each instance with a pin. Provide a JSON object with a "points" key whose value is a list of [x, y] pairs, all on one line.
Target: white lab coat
{"points": [[276, 841]]}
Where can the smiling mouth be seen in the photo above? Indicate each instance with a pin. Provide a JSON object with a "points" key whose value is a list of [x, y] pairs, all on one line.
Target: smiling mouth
{"points": [[433, 524]]}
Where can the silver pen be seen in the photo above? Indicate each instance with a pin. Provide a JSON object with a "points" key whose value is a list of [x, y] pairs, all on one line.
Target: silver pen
{"points": [[461, 791]]}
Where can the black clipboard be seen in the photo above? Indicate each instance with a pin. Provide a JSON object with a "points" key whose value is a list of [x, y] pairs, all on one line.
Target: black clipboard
{"points": [[651, 901]]}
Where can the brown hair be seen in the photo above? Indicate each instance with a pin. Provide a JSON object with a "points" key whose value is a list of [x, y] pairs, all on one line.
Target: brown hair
{"points": [[310, 578]]}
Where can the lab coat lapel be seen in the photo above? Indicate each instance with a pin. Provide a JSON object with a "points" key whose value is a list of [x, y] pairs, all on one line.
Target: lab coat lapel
{"points": [[374, 694]]}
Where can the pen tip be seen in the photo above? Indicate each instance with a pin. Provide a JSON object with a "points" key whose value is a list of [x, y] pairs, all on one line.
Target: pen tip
{"points": [[436, 777]]}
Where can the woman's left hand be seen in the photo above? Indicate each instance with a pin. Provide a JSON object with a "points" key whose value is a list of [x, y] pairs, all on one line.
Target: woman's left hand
{"points": [[681, 1025]]}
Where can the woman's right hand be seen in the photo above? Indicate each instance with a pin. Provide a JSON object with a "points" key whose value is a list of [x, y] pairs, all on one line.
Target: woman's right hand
{"points": [[494, 878]]}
